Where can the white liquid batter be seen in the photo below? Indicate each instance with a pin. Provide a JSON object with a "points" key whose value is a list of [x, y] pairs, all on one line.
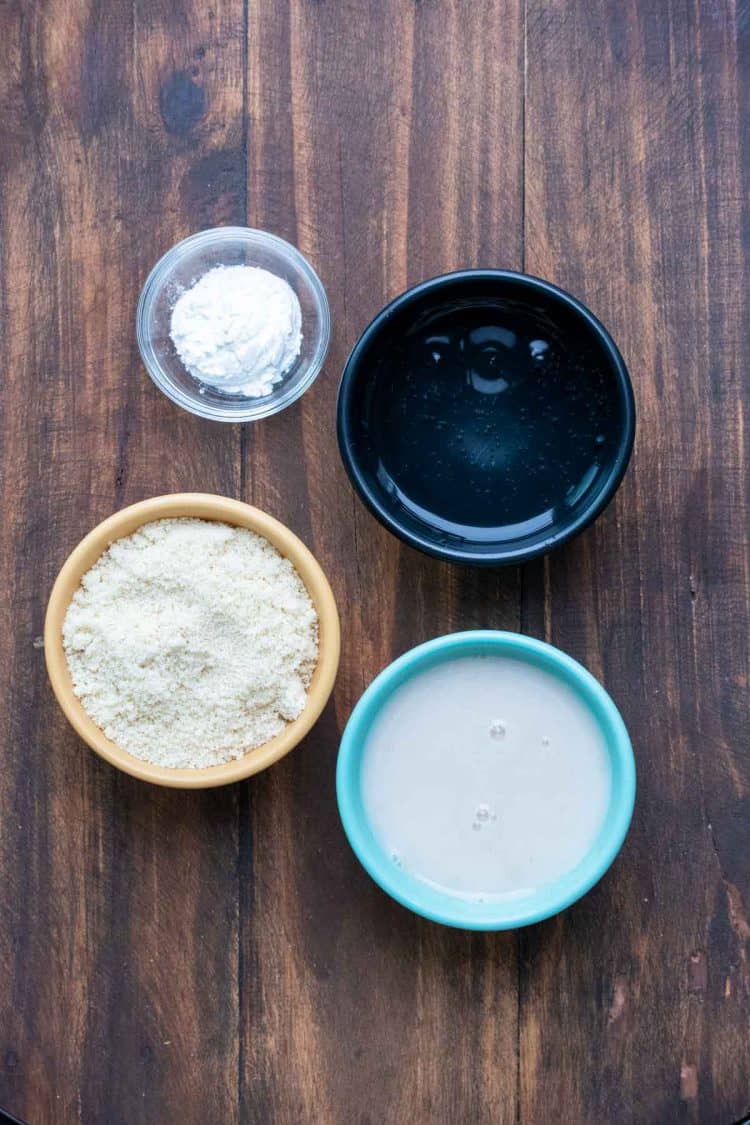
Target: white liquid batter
{"points": [[485, 776]]}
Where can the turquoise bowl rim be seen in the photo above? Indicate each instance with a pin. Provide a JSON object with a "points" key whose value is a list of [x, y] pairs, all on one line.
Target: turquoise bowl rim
{"points": [[437, 905]]}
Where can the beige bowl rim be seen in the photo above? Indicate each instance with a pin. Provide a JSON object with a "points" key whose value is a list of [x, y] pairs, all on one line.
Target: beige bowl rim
{"points": [[198, 506]]}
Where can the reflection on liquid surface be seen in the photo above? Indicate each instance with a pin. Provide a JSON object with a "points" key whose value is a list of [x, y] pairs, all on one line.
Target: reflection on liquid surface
{"points": [[486, 425]]}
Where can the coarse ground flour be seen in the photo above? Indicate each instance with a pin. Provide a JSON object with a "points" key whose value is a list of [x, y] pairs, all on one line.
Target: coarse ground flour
{"points": [[191, 642]]}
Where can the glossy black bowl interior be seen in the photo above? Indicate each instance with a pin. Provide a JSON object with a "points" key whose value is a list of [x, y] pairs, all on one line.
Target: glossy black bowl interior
{"points": [[485, 417]]}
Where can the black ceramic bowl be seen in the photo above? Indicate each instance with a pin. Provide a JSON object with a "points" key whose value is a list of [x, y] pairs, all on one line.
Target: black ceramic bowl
{"points": [[485, 417]]}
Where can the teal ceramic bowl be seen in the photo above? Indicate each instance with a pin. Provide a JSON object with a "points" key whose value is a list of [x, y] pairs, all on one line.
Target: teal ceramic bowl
{"points": [[439, 906]]}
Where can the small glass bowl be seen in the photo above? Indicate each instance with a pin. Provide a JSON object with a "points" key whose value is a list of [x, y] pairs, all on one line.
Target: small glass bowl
{"points": [[180, 268]]}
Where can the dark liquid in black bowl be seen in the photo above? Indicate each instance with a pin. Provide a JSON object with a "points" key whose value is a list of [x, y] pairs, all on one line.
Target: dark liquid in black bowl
{"points": [[488, 422]]}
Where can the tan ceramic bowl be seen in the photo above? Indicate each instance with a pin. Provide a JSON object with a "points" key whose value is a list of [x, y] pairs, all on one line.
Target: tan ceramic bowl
{"points": [[200, 506]]}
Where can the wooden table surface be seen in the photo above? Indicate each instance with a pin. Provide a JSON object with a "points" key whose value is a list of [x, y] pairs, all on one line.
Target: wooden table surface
{"points": [[221, 957]]}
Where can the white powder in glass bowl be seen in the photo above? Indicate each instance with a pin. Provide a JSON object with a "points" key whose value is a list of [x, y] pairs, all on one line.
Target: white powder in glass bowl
{"points": [[191, 642], [238, 329]]}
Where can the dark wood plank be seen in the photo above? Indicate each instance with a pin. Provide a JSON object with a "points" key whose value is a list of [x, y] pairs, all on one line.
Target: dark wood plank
{"points": [[385, 140], [221, 957], [635, 1004], [122, 131]]}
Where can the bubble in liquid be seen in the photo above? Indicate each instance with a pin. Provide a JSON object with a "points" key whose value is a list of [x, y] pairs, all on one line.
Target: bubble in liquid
{"points": [[483, 813], [497, 728], [600, 439]]}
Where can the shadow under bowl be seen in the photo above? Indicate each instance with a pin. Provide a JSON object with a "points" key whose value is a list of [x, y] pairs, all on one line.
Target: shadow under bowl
{"points": [[485, 417]]}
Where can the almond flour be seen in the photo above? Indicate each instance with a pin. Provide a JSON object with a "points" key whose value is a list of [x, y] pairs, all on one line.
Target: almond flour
{"points": [[191, 642]]}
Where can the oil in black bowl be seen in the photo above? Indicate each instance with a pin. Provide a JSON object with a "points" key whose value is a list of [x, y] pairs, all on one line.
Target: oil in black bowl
{"points": [[486, 421]]}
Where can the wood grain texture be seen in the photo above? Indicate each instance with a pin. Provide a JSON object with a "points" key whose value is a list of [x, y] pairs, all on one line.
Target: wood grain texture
{"points": [[635, 1004], [359, 152], [173, 957], [118, 942]]}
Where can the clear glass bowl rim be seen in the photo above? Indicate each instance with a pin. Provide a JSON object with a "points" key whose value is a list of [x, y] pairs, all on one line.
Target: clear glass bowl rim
{"points": [[156, 278]]}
